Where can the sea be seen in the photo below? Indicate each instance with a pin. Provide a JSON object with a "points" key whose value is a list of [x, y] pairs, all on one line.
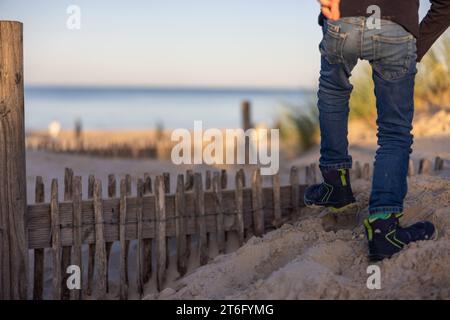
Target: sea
{"points": [[136, 108]]}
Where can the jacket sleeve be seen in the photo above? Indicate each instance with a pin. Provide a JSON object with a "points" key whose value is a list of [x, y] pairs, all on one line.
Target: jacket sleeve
{"points": [[433, 26]]}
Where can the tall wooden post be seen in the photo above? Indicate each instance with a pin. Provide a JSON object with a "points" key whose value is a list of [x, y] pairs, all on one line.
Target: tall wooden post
{"points": [[13, 245], [246, 116], [246, 125]]}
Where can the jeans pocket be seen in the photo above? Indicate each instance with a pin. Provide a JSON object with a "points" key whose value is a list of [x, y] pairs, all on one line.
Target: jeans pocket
{"points": [[332, 43], [393, 55]]}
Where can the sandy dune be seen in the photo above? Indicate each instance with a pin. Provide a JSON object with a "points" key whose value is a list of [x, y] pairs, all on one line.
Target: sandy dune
{"points": [[303, 261]]}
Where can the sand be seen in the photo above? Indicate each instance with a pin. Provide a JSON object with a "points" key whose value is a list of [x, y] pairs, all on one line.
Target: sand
{"points": [[303, 261], [318, 257]]}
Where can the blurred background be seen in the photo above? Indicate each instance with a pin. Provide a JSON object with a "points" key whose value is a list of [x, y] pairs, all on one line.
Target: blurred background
{"points": [[159, 65]]}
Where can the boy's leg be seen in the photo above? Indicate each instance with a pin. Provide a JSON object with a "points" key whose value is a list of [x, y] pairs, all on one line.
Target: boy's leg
{"points": [[333, 103], [339, 53], [392, 52], [394, 70]]}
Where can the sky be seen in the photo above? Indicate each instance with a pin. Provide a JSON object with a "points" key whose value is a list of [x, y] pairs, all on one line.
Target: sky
{"points": [[194, 43]]}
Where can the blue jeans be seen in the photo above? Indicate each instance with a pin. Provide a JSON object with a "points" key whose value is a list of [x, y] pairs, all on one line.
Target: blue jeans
{"points": [[391, 51]]}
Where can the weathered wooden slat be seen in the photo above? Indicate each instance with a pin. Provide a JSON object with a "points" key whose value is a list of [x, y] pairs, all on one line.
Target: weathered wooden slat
{"points": [[66, 250], [91, 258], [366, 174], [161, 232], [100, 245], [39, 230], [188, 186], [208, 180], [77, 236], [112, 192], [112, 186], [244, 178], [13, 201], [166, 177], [438, 164], [128, 184], [123, 265], [411, 168], [220, 230], [295, 183], [147, 184], [257, 204], [313, 169], [424, 167], [357, 170], [38, 286], [239, 201], [147, 242], [140, 238], [56, 241], [180, 226], [201, 221], [277, 219], [224, 179], [189, 182]]}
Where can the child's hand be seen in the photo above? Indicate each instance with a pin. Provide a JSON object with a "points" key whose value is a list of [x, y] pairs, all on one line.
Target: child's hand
{"points": [[330, 9]]}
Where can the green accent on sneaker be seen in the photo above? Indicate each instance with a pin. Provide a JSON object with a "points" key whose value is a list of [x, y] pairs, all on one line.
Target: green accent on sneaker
{"points": [[369, 229], [383, 216], [330, 189], [394, 240], [342, 173]]}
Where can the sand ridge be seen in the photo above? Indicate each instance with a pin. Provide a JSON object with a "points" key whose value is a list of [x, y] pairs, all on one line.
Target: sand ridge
{"points": [[303, 261]]}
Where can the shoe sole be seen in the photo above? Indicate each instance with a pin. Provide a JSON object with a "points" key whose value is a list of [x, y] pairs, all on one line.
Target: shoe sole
{"points": [[311, 205]]}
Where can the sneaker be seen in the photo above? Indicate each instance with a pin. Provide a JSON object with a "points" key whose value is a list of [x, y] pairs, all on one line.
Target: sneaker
{"points": [[335, 192], [386, 236]]}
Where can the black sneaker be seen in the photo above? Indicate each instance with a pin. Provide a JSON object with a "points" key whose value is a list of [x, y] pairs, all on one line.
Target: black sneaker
{"points": [[386, 237], [335, 192]]}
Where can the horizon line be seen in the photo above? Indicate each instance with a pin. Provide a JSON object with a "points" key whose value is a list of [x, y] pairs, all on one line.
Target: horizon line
{"points": [[166, 87]]}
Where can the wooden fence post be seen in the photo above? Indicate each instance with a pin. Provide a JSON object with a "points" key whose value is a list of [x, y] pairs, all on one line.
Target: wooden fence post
{"points": [[246, 117], [424, 167], [13, 201], [112, 192], [294, 181], [199, 199], [77, 232], [91, 258], [123, 265], [257, 204], [39, 254], [56, 240], [160, 232], [180, 225], [140, 238], [239, 198], [66, 250], [100, 246], [410, 168], [218, 202], [277, 220]]}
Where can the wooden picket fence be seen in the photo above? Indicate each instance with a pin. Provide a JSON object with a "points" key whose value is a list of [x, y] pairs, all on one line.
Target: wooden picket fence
{"points": [[201, 210], [189, 215]]}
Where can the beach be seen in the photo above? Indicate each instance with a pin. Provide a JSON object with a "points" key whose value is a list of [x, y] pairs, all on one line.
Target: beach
{"points": [[312, 258]]}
